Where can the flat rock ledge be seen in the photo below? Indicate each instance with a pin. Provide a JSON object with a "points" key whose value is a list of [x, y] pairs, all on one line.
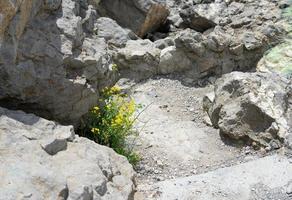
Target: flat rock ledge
{"points": [[40, 159], [263, 179]]}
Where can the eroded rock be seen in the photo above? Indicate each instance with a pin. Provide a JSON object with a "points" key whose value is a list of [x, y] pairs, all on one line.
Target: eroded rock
{"points": [[138, 59], [114, 34], [252, 107], [140, 16], [51, 63], [279, 59], [82, 170], [195, 18]]}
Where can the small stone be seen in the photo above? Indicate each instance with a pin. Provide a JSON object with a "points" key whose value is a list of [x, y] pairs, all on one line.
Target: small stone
{"points": [[160, 178], [289, 189]]}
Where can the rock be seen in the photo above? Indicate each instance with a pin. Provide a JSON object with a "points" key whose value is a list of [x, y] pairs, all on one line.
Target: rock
{"points": [[163, 43], [208, 100], [52, 4], [114, 34], [83, 170], [138, 59], [278, 59], [231, 183], [221, 48], [51, 63], [202, 17], [250, 41], [235, 8], [58, 141], [155, 17], [54, 145], [141, 17], [56, 69], [252, 107], [196, 21], [89, 19], [172, 60], [289, 188]]}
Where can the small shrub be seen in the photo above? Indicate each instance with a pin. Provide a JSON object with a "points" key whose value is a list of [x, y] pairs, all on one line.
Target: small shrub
{"points": [[112, 124]]}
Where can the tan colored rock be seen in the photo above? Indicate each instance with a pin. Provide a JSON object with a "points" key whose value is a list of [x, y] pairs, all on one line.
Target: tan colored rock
{"points": [[25, 12], [7, 11], [156, 16], [141, 17]]}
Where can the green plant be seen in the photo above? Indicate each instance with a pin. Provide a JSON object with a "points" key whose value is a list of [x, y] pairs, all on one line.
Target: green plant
{"points": [[115, 67], [112, 123]]}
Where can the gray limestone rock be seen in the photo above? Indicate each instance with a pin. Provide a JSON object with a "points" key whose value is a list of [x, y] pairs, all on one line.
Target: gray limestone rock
{"points": [[265, 178], [83, 170], [252, 107], [50, 63], [138, 60]]}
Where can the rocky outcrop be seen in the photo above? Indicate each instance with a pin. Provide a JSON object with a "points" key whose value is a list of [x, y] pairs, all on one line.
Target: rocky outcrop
{"points": [[214, 38], [199, 22], [43, 160], [51, 61], [140, 16], [279, 59], [114, 34], [138, 59], [55, 56], [252, 107], [255, 180]]}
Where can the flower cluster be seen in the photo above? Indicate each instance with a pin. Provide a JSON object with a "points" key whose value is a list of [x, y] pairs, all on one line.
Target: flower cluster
{"points": [[114, 67], [109, 92], [112, 123]]}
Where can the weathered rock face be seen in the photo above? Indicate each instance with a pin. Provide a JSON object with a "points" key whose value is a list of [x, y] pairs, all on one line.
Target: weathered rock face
{"points": [[140, 16], [215, 37], [51, 61], [138, 59], [252, 106], [43, 160], [56, 55], [279, 59], [115, 35]]}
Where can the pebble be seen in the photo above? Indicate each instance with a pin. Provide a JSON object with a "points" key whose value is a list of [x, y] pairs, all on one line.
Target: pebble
{"points": [[289, 189], [159, 178]]}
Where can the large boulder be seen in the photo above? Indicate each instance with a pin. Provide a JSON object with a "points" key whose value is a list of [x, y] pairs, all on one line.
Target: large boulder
{"points": [[215, 37], [43, 160], [252, 107], [51, 60], [140, 16]]}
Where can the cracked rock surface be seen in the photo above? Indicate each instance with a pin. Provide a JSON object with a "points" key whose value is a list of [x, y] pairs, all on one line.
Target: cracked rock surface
{"points": [[51, 62], [43, 160]]}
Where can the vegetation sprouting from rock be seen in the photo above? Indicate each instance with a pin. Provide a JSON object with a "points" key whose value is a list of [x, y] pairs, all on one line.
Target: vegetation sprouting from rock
{"points": [[112, 123]]}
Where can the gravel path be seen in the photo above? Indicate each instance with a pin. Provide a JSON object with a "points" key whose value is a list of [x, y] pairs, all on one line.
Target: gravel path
{"points": [[176, 139]]}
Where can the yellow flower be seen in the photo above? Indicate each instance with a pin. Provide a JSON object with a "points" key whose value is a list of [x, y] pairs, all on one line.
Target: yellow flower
{"points": [[118, 120], [131, 106], [115, 90], [95, 130], [95, 110], [115, 67]]}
